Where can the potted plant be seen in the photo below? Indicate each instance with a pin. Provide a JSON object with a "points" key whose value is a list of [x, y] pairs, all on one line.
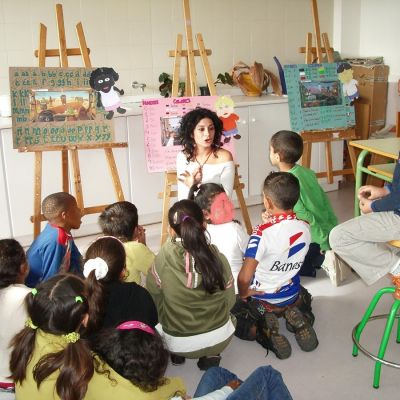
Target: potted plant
{"points": [[166, 85]]}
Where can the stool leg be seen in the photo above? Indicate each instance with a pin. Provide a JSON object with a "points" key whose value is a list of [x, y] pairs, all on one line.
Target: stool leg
{"points": [[398, 329], [367, 315], [384, 341]]}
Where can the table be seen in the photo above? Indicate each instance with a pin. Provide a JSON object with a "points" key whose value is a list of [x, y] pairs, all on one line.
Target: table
{"points": [[389, 148]]}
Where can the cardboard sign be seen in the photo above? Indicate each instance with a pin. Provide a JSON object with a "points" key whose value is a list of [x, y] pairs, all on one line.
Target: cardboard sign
{"points": [[161, 120], [55, 106], [316, 98]]}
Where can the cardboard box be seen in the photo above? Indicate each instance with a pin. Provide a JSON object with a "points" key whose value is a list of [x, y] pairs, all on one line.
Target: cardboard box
{"points": [[373, 88]]}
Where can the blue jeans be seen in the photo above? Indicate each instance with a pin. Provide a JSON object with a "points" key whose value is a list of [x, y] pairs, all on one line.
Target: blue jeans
{"points": [[265, 383]]}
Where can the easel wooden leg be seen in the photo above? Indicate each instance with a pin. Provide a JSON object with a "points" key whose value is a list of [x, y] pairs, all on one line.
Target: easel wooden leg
{"points": [[238, 186], [352, 155], [114, 174], [328, 156], [170, 179], [64, 171], [38, 194], [77, 179], [306, 158]]}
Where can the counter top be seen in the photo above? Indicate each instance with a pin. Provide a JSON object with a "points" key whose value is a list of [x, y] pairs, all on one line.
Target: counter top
{"points": [[136, 108]]}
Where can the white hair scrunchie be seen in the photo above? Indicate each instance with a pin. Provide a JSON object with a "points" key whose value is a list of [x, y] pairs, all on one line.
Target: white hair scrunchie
{"points": [[95, 264]]}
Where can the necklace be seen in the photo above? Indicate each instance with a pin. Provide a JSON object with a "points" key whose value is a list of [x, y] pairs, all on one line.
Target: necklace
{"points": [[201, 165]]}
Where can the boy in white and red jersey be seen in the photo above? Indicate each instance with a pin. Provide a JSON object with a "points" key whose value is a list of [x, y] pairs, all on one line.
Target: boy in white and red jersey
{"points": [[269, 279]]}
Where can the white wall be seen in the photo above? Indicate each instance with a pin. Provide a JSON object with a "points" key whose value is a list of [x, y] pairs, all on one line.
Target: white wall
{"points": [[134, 36], [367, 28]]}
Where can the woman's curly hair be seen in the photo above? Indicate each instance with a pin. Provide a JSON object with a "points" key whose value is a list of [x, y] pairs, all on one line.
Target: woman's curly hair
{"points": [[189, 123]]}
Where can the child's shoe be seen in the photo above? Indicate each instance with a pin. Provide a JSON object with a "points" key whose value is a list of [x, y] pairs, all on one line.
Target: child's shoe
{"points": [[335, 268], [268, 336], [303, 331], [177, 360], [205, 363]]}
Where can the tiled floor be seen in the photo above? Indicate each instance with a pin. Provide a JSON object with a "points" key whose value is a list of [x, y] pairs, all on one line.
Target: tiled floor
{"points": [[330, 372]]}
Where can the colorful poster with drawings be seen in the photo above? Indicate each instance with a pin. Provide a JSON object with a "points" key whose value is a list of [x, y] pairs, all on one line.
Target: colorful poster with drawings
{"points": [[55, 106], [317, 100], [161, 120]]}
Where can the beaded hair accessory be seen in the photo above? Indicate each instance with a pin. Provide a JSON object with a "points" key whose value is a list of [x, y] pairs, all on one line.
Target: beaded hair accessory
{"points": [[98, 265], [129, 325], [221, 210], [30, 324], [71, 337]]}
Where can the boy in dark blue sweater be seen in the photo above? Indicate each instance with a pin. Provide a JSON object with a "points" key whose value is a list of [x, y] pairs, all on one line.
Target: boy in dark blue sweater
{"points": [[54, 250], [362, 241]]}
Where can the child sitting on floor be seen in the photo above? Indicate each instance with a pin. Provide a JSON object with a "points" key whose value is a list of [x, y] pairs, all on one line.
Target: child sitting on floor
{"points": [[13, 271], [269, 279], [313, 206], [51, 360], [54, 250], [225, 232], [109, 295], [192, 285], [121, 220]]}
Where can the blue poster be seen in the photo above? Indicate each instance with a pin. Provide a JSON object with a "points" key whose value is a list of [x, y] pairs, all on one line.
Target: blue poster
{"points": [[317, 100]]}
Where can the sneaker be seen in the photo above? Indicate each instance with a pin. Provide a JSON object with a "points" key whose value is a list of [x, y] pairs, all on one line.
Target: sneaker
{"points": [[177, 360], [268, 336], [335, 268], [205, 363], [303, 331]]}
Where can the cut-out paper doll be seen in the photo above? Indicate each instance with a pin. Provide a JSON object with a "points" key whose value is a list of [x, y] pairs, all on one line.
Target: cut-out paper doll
{"points": [[224, 107], [102, 80], [345, 74]]}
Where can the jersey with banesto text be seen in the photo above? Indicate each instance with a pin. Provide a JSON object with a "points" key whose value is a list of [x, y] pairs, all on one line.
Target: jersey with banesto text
{"points": [[279, 246]]}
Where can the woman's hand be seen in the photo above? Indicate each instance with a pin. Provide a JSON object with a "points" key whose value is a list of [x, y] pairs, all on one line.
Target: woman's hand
{"points": [[190, 179]]}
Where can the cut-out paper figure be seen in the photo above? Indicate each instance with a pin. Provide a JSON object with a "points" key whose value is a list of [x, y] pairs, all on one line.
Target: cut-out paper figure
{"points": [[224, 107], [102, 80], [345, 73]]}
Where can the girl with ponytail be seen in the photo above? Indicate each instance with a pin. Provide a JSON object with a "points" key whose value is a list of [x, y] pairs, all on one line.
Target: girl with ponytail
{"points": [[192, 286], [108, 293]]}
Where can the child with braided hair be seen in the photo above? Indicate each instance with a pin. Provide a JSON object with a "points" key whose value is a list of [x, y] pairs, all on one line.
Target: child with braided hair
{"points": [[189, 282]]}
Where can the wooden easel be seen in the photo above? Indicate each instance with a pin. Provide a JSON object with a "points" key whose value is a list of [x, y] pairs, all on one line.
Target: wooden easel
{"points": [[191, 90], [63, 52], [325, 136]]}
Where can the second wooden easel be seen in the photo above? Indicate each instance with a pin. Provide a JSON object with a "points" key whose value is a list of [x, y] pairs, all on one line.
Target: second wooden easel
{"points": [[324, 136], [191, 89], [63, 52]]}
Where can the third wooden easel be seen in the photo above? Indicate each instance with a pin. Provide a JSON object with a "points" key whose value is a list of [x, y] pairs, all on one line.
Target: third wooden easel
{"points": [[324, 136], [191, 89], [63, 52]]}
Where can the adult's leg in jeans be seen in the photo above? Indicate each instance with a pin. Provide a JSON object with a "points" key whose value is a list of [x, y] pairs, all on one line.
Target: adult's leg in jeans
{"points": [[265, 383], [361, 242], [213, 379]]}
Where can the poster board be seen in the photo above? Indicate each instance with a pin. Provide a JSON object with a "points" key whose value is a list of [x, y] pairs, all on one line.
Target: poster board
{"points": [[316, 98], [56, 106], [161, 119]]}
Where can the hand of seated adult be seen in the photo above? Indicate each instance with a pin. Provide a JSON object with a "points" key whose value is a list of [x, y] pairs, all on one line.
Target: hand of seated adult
{"points": [[251, 292], [372, 192], [365, 206], [234, 384], [190, 179]]}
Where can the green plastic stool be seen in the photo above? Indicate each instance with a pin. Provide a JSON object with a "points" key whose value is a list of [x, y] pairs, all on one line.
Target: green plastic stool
{"points": [[379, 359]]}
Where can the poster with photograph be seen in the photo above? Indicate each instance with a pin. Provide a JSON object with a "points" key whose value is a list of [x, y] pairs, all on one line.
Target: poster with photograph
{"points": [[161, 120], [317, 100], [55, 106]]}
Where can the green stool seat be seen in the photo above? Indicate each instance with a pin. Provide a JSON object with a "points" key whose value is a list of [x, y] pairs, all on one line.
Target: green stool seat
{"points": [[393, 314]]}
